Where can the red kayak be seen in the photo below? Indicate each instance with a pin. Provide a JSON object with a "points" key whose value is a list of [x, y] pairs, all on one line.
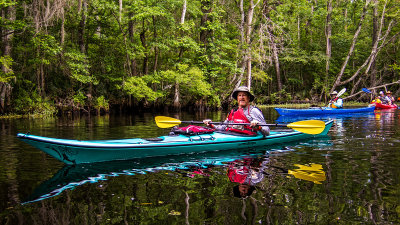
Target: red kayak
{"points": [[384, 106]]}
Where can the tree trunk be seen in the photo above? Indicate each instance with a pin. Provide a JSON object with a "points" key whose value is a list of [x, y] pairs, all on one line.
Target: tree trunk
{"points": [[345, 19], [39, 70], [309, 30], [375, 28], [62, 30], [374, 51], [131, 38], [146, 58], [156, 52], [275, 58], [298, 30], [120, 11], [81, 29], [182, 21], [79, 6], [351, 50], [242, 44], [205, 31], [176, 103], [7, 35], [249, 29], [183, 12], [372, 89], [272, 44], [328, 34]]}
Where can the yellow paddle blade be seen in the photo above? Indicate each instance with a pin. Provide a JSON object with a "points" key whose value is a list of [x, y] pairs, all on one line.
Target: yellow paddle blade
{"points": [[313, 172], [308, 126], [166, 122]]}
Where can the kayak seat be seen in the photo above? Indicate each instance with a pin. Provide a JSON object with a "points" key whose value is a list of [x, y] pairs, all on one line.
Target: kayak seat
{"points": [[154, 139]]}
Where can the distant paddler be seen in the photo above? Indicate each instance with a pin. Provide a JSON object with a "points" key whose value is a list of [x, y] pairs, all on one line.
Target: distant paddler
{"points": [[390, 97], [335, 102]]}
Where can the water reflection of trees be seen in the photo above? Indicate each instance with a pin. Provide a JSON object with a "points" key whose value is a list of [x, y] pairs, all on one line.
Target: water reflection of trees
{"points": [[202, 193]]}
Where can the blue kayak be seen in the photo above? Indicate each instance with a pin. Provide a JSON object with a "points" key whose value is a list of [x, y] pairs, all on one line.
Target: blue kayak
{"points": [[322, 111], [91, 151]]}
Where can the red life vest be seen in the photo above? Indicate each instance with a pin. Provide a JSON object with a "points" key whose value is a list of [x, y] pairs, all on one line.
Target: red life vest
{"points": [[237, 116], [238, 175]]}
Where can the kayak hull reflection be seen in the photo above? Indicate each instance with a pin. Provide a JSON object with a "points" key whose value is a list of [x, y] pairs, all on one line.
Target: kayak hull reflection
{"points": [[77, 152]]}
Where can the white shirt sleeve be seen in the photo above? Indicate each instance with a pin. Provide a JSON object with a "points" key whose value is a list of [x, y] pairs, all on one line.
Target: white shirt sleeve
{"points": [[339, 103], [257, 115]]}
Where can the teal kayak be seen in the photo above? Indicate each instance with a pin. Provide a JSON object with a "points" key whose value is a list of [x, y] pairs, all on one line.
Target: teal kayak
{"points": [[322, 111], [70, 177], [91, 151]]}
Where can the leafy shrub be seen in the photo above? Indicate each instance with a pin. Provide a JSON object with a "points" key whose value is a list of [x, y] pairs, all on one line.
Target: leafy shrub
{"points": [[31, 103], [101, 103]]}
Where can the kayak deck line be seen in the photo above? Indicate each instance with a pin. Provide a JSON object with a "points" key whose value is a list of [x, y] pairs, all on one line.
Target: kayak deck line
{"points": [[92, 151]]}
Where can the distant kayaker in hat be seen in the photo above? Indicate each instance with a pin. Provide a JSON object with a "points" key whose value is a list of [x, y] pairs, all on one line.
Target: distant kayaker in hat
{"points": [[384, 99], [335, 102], [244, 113], [390, 97]]}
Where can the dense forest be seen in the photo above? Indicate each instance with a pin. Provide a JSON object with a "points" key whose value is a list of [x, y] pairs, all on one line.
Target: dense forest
{"points": [[93, 55]]}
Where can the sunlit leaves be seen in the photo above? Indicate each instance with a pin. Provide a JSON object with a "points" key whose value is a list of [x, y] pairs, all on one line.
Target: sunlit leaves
{"points": [[148, 12], [260, 75], [47, 46], [102, 103], [7, 74], [138, 88], [78, 67], [79, 98], [192, 83]]}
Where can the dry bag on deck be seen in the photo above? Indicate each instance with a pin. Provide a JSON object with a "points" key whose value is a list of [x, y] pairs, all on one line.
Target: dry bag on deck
{"points": [[191, 130]]}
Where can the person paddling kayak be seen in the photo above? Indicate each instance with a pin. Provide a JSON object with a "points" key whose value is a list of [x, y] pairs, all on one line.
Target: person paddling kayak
{"points": [[244, 113], [335, 102], [383, 98], [390, 97]]}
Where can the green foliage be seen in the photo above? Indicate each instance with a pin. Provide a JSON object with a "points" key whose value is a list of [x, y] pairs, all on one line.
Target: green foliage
{"points": [[6, 62], [48, 48], [79, 98], [261, 76], [192, 84], [137, 87], [6, 3], [144, 50], [28, 102], [395, 67], [280, 97], [101, 103], [78, 66]]}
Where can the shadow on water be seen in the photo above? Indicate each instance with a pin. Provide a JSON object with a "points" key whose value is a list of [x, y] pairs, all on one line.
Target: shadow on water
{"points": [[70, 177]]}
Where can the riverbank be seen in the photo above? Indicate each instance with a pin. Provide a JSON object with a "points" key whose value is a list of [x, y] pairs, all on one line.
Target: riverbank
{"points": [[288, 105]]}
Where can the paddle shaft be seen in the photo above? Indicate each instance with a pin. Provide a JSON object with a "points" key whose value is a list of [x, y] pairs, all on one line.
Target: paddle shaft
{"points": [[222, 123], [306, 126]]}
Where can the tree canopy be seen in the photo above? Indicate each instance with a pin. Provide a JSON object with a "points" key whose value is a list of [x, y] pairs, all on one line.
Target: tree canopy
{"points": [[93, 54]]}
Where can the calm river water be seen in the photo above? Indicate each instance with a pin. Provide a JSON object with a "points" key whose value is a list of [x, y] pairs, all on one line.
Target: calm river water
{"points": [[351, 176]]}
